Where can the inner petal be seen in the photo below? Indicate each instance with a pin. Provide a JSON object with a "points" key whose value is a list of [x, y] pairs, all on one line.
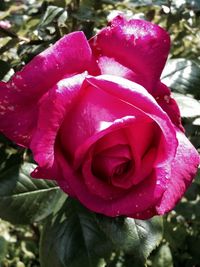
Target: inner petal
{"points": [[112, 162], [126, 157], [93, 112]]}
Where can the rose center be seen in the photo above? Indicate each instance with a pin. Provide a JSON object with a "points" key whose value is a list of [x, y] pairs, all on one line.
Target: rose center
{"points": [[122, 168], [114, 162]]}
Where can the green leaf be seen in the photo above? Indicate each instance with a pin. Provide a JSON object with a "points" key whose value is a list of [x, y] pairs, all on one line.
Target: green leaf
{"points": [[48, 27], [25, 200], [4, 68], [50, 15], [76, 237], [189, 107], [193, 247], [197, 179], [182, 76], [3, 248], [136, 237], [68, 239], [189, 209], [163, 257], [174, 233], [148, 2]]}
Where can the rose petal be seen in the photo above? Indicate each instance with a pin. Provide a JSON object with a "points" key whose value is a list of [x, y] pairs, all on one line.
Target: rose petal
{"points": [[110, 66], [19, 97], [96, 186], [135, 95], [95, 112], [52, 110], [106, 163], [163, 96], [44, 173], [115, 151], [115, 133], [134, 201], [140, 135], [137, 44], [184, 168], [55, 171], [144, 215]]}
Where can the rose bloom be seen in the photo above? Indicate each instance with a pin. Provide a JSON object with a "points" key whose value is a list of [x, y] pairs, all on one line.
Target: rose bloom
{"points": [[101, 123], [5, 24]]}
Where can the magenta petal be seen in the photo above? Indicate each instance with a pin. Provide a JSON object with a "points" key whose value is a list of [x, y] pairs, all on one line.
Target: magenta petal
{"points": [[135, 95], [144, 215], [44, 173], [96, 186], [19, 97], [71, 54], [94, 112], [112, 129], [137, 44], [163, 96], [135, 201], [184, 168], [109, 66], [52, 110]]}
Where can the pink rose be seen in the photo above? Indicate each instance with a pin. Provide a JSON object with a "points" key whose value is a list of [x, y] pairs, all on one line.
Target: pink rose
{"points": [[5, 24], [100, 122]]}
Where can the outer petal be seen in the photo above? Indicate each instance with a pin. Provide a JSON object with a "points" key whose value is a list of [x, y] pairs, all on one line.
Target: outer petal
{"points": [[184, 168], [19, 97], [163, 96], [52, 109], [137, 44]]}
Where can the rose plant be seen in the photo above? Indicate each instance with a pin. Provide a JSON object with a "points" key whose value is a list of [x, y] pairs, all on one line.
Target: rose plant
{"points": [[101, 123]]}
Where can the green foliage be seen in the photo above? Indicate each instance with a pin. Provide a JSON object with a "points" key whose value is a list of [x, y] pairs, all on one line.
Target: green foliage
{"points": [[182, 76], [3, 248], [72, 236], [76, 237], [163, 257], [26, 200]]}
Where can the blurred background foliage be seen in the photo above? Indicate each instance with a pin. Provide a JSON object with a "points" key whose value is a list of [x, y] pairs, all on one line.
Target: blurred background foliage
{"points": [[27, 27]]}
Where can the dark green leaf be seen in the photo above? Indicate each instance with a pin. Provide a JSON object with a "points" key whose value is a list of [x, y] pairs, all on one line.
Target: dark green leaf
{"points": [[77, 237], [189, 209], [136, 237], [182, 76], [48, 27], [25, 200], [4, 68], [69, 239], [197, 179], [175, 234], [51, 13], [193, 245], [3, 248]]}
